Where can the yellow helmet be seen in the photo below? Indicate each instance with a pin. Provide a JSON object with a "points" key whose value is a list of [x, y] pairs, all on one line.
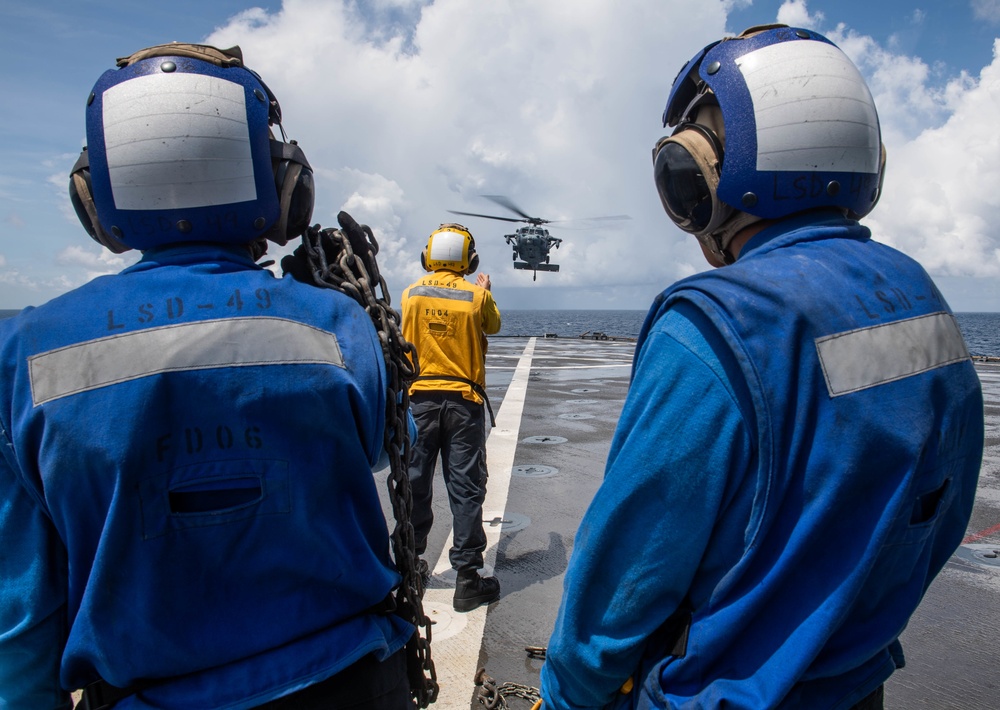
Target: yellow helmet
{"points": [[452, 247]]}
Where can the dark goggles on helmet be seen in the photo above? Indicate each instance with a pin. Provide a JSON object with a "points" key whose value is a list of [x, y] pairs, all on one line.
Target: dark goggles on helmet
{"points": [[686, 170]]}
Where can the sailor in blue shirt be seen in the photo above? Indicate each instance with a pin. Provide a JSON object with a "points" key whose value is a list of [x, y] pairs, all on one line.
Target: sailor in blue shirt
{"points": [[187, 506], [799, 451]]}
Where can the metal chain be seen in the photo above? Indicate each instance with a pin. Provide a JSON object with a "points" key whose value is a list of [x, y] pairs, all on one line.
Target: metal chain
{"points": [[334, 264], [494, 697]]}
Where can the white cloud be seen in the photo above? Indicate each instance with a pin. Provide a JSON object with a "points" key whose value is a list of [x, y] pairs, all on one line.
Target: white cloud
{"points": [[909, 96], [390, 4], [555, 105], [93, 262], [795, 14], [74, 266], [988, 10], [58, 185], [409, 108], [16, 278], [942, 194], [940, 199], [942, 189]]}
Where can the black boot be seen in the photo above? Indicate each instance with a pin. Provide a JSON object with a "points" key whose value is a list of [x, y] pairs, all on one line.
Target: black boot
{"points": [[472, 591], [424, 571]]}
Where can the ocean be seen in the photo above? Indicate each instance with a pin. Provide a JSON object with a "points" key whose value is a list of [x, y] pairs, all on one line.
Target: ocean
{"points": [[981, 330], [571, 324]]}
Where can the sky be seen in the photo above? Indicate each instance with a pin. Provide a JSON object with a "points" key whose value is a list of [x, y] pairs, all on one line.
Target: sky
{"points": [[409, 108]]}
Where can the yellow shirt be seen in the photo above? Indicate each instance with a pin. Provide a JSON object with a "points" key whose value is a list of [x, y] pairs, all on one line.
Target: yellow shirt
{"points": [[447, 319]]}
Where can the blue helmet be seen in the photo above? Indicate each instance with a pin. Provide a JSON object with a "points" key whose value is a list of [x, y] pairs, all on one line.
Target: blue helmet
{"points": [[769, 123], [180, 149]]}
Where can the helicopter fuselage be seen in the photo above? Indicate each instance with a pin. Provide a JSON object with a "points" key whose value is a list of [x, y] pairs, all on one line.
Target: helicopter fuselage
{"points": [[532, 242], [531, 245]]}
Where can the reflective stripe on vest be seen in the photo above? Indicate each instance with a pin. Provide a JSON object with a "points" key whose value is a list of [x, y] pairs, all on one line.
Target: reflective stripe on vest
{"points": [[452, 294], [230, 342], [858, 359]]}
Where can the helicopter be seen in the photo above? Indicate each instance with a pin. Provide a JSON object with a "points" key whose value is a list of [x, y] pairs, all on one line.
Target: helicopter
{"points": [[532, 242]]}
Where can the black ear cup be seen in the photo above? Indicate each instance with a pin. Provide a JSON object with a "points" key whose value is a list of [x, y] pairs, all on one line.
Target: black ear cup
{"points": [[293, 179], [81, 196], [473, 256], [423, 260], [686, 172], [300, 205]]}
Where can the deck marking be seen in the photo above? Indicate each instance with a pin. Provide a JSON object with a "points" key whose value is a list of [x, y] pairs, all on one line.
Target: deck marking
{"points": [[456, 658], [583, 367], [981, 534]]}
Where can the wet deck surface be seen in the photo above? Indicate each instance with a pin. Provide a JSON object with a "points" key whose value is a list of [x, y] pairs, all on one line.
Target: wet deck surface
{"points": [[557, 403]]}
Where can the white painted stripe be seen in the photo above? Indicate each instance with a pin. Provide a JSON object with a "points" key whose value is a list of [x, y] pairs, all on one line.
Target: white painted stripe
{"points": [[867, 357], [228, 342], [178, 141], [456, 658]]}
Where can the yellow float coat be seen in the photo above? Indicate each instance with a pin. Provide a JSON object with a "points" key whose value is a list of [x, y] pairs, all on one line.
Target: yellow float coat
{"points": [[447, 319]]}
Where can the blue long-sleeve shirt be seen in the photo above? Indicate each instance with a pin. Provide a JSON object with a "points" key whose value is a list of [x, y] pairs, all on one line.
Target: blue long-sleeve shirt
{"points": [[796, 459], [663, 491], [186, 488]]}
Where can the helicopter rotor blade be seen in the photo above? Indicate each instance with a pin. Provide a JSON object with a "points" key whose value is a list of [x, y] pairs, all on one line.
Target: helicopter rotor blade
{"points": [[583, 223], [536, 221], [487, 216], [609, 218], [505, 202]]}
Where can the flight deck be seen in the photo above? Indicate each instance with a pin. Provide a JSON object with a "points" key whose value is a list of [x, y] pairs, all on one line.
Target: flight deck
{"points": [[557, 402]]}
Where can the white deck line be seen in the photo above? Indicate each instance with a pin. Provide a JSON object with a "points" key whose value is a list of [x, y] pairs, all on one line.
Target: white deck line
{"points": [[456, 658]]}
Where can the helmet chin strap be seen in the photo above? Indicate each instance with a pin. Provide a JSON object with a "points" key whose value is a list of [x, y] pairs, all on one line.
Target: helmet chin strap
{"points": [[719, 239]]}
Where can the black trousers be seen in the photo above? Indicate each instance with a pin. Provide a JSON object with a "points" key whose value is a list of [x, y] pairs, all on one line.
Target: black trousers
{"points": [[452, 427], [365, 685], [875, 700]]}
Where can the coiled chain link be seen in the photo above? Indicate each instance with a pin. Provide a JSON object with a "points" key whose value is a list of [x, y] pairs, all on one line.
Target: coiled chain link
{"points": [[494, 695], [335, 264]]}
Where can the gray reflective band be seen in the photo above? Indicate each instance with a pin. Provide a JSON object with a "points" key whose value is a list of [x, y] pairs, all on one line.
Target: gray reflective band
{"points": [[867, 357], [454, 294], [230, 342]]}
